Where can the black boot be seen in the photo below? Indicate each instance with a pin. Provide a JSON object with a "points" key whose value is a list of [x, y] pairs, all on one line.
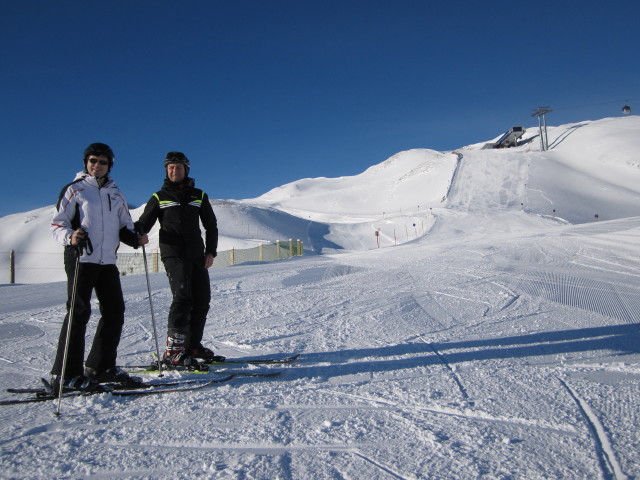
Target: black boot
{"points": [[111, 376]]}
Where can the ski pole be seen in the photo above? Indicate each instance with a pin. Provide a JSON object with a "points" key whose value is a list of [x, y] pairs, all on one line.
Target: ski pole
{"points": [[153, 318], [78, 250]]}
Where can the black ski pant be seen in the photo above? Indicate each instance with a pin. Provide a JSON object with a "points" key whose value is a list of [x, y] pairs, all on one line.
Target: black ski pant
{"points": [[191, 290], [105, 279]]}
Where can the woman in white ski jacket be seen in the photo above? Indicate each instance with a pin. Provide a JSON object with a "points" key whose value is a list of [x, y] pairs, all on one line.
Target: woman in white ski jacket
{"points": [[101, 211], [91, 219]]}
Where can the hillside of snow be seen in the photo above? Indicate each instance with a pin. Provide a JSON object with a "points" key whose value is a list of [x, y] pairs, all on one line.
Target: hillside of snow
{"points": [[591, 172], [493, 335], [403, 181]]}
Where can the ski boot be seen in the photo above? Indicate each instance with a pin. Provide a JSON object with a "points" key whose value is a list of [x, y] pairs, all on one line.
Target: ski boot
{"points": [[77, 383], [203, 353], [177, 355], [113, 376]]}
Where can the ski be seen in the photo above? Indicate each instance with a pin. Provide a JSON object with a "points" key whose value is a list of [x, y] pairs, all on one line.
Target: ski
{"points": [[238, 372], [188, 385], [257, 361], [204, 366], [163, 389], [43, 395], [110, 387], [104, 388], [153, 368], [27, 390], [244, 373]]}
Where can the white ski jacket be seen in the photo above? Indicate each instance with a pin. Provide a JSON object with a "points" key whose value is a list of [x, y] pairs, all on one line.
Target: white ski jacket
{"points": [[101, 211]]}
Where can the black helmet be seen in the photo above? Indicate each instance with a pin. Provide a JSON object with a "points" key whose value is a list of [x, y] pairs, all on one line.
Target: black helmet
{"points": [[98, 149], [177, 157]]}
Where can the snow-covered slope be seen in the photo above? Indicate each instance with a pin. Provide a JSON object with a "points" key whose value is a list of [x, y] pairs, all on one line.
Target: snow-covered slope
{"points": [[403, 181], [592, 169], [500, 341]]}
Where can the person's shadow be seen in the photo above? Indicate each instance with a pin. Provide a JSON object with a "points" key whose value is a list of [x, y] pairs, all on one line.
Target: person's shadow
{"points": [[621, 339]]}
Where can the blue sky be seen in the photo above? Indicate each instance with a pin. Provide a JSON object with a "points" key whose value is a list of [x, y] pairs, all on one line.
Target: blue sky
{"points": [[259, 93]]}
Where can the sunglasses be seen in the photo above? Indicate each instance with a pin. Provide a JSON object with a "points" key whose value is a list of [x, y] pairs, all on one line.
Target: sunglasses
{"points": [[101, 162]]}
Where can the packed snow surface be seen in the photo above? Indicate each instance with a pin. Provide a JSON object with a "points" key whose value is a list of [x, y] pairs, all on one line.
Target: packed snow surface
{"points": [[494, 333]]}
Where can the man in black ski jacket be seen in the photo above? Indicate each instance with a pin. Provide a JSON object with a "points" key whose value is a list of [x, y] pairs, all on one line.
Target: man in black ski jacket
{"points": [[180, 207]]}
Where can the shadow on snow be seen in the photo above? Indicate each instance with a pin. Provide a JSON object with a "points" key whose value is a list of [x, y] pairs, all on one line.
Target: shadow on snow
{"points": [[619, 339]]}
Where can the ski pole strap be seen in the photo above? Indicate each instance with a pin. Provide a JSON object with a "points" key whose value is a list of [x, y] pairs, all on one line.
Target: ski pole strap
{"points": [[88, 246], [84, 244]]}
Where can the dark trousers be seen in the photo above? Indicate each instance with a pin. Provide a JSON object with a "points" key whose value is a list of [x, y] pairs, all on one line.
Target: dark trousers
{"points": [[105, 279], [191, 290]]}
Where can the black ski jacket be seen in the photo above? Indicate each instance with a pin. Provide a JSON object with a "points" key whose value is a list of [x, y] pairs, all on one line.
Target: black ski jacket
{"points": [[180, 208]]}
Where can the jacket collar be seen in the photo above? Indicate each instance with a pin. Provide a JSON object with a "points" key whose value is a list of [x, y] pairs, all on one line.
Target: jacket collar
{"points": [[188, 182], [85, 177]]}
